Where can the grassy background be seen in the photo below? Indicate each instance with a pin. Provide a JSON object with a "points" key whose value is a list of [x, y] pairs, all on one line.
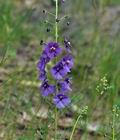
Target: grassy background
{"points": [[94, 31]]}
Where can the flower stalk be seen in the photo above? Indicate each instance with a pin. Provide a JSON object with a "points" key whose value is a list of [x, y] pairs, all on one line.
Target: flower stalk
{"points": [[56, 38], [56, 23], [59, 72]]}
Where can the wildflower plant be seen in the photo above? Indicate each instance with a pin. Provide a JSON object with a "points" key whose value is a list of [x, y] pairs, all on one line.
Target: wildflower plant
{"points": [[63, 63], [59, 71], [112, 132], [103, 86]]}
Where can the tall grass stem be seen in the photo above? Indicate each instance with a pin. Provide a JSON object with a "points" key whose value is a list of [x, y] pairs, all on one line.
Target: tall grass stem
{"points": [[74, 127]]}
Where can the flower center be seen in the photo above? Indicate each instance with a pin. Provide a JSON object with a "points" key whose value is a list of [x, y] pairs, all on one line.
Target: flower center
{"points": [[59, 67], [61, 97], [45, 85], [52, 48], [67, 81], [67, 62]]}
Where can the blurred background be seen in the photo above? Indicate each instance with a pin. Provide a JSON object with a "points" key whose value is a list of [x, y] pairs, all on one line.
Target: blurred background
{"points": [[93, 27]]}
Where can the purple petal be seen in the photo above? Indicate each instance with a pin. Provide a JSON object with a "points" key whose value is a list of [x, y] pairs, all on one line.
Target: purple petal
{"points": [[55, 74], [59, 71], [47, 89], [60, 105], [52, 49], [42, 75], [44, 59], [65, 86], [41, 64], [61, 101], [68, 61], [52, 89]]}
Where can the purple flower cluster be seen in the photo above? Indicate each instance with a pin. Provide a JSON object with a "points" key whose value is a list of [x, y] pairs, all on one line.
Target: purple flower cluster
{"points": [[59, 72]]}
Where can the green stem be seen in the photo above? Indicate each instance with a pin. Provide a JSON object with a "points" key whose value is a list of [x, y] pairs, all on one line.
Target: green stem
{"points": [[55, 123], [56, 38], [113, 127], [56, 23], [74, 127]]}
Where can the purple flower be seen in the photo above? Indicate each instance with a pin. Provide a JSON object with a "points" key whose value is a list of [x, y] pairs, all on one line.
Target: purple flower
{"points": [[45, 56], [44, 59], [67, 45], [67, 62], [52, 49], [47, 89], [41, 64], [61, 101], [43, 75], [65, 86], [59, 71]]}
